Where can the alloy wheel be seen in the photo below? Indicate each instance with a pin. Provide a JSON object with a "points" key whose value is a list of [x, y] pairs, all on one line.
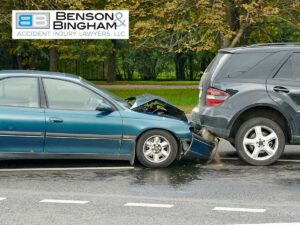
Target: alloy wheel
{"points": [[260, 142], [156, 149]]}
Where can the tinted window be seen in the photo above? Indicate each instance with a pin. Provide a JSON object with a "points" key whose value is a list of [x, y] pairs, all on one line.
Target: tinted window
{"points": [[291, 68], [296, 63], [216, 65], [213, 64], [20, 91], [67, 95], [286, 71], [239, 64]]}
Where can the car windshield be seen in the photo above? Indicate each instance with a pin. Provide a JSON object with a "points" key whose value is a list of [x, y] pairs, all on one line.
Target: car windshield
{"points": [[108, 93]]}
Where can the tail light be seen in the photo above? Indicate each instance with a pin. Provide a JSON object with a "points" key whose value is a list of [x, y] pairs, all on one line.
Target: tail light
{"points": [[215, 97]]}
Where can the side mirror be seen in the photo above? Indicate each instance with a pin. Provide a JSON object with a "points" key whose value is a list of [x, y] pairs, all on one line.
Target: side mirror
{"points": [[103, 107]]}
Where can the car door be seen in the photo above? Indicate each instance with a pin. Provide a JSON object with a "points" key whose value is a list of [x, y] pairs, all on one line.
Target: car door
{"points": [[22, 121], [72, 123], [284, 88]]}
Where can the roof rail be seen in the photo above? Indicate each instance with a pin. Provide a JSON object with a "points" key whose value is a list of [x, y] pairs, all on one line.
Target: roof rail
{"points": [[276, 44]]}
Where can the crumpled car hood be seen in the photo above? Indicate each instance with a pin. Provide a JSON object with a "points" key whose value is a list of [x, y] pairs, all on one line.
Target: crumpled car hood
{"points": [[148, 103]]}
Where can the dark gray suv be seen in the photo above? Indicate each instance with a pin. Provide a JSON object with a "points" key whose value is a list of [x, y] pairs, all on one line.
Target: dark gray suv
{"points": [[251, 97]]}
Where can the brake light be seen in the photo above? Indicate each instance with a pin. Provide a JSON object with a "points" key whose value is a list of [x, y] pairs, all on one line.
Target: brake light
{"points": [[215, 97]]}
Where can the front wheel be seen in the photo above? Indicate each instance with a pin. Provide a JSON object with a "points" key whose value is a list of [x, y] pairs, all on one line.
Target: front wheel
{"points": [[156, 148], [260, 141]]}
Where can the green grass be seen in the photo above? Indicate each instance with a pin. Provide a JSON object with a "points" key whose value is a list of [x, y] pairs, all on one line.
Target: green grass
{"points": [[185, 99], [147, 82]]}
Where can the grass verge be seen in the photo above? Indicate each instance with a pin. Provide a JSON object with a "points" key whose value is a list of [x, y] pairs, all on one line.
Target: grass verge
{"points": [[185, 99], [147, 82]]}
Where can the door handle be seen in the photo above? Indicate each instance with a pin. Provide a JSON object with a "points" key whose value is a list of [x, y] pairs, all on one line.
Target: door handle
{"points": [[55, 120], [281, 89]]}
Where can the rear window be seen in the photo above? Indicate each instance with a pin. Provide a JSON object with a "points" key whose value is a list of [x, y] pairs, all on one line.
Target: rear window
{"points": [[216, 64], [239, 64], [213, 64]]}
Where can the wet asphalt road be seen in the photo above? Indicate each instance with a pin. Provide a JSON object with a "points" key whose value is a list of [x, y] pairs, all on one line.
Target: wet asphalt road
{"points": [[184, 193]]}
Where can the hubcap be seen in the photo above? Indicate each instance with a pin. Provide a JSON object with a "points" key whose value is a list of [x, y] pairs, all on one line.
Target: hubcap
{"points": [[260, 142], [156, 149]]}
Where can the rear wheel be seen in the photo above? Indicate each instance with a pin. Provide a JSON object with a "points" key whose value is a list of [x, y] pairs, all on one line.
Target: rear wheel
{"points": [[156, 148], [260, 141]]}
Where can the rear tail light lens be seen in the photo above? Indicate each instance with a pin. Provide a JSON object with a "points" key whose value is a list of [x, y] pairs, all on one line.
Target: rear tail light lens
{"points": [[215, 97]]}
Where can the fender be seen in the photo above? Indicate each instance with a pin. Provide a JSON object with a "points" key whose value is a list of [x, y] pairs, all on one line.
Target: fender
{"points": [[287, 116]]}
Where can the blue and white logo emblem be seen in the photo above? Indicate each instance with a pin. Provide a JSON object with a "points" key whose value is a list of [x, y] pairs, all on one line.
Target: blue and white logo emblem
{"points": [[33, 20]]}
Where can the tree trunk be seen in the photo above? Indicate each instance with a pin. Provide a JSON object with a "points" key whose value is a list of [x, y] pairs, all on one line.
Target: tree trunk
{"points": [[130, 75], [180, 66], [111, 73], [238, 36], [53, 59], [176, 67], [191, 66], [17, 62], [233, 20]]}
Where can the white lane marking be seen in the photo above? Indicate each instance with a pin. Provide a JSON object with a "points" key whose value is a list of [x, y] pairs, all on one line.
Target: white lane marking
{"points": [[1, 198], [148, 205], [63, 201], [271, 224], [66, 169], [280, 160], [239, 209]]}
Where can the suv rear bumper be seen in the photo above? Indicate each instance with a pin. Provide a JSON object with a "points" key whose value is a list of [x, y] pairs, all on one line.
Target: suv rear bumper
{"points": [[212, 119]]}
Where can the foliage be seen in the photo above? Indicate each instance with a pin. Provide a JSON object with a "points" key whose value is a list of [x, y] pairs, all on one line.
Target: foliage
{"points": [[166, 36], [197, 25]]}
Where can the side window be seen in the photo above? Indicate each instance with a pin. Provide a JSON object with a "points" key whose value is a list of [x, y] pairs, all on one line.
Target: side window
{"points": [[286, 71], [296, 63], [67, 95], [19, 91]]}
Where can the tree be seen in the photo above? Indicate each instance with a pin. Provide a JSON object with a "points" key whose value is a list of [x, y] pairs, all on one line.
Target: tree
{"points": [[111, 76], [183, 27], [260, 17]]}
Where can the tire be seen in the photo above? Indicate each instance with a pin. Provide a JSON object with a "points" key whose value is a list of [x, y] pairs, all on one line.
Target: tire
{"points": [[156, 149], [260, 141]]}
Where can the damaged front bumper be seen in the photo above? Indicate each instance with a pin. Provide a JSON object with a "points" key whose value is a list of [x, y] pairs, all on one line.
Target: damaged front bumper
{"points": [[197, 149], [199, 146]]}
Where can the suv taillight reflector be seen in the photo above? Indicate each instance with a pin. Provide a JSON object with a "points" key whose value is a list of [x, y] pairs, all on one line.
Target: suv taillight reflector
{"points": [[215, 97]]}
